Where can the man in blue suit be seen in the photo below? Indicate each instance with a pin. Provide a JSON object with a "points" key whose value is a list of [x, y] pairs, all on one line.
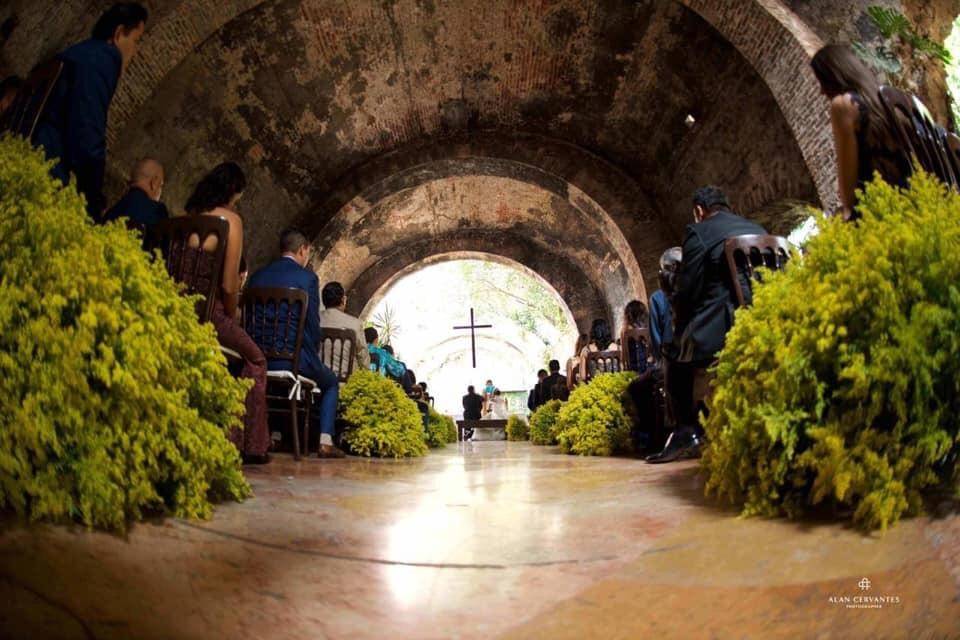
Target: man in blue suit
{"points": [[73, 126], [290, 271]]}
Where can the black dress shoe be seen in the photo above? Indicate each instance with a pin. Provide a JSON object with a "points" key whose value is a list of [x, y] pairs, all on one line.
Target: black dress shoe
{"points": [[678, 447]]}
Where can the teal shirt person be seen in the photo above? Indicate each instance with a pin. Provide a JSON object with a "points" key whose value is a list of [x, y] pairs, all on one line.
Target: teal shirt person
{"points": [[389, 365]]}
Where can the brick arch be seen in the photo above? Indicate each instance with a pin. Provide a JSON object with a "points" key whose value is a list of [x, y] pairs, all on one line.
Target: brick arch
{"points": [[773, 40]]}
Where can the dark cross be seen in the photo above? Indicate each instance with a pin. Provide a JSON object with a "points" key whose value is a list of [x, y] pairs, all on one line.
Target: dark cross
{"points": [[473, 335]]}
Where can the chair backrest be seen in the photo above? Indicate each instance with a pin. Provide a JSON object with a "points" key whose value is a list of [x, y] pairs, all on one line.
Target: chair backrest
{"points": [[337, 348], [573, 373], [745, 253], [603, 362], [635, 345], [274, 318], [24, 114], [197, 269], [919, 136]]}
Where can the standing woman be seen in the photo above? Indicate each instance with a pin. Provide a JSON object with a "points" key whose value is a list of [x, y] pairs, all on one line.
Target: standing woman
{"points": [[217, 195], [864, 140]]}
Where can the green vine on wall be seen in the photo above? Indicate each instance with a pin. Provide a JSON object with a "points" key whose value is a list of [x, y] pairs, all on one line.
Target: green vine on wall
{"points": [[897, 30]]}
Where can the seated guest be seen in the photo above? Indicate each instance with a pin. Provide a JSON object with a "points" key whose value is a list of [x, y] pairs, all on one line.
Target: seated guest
{"points": [[290, 271], [217, 194], [335, 316], [661, 316], [386, 364], [472, 404], [703, 303], [635, 316], [864, 140], [9, 89], [534, 400], [601, 339], [642, 391], [73, 126], [140, 205], [426, 396], [548, 387]]}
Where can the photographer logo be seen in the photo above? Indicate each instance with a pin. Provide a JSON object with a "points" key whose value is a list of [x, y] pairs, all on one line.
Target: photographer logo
{"points": [[865, 601]]}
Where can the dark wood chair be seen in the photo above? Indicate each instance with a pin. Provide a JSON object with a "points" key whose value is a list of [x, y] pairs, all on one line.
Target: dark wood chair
{"points": [[629, 337], [603, 362], [274, 318], [745, 254], [573, 374], [198, 270], [24, 114], [922, 140], [337, 346], [375, 362]]}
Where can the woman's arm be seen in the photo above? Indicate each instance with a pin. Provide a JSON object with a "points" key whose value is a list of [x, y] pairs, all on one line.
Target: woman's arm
{"points": [[845, 116], [230, 283]]}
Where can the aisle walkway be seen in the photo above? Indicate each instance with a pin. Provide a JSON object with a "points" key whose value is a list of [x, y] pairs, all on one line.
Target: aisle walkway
{"points": [[498, 539]]}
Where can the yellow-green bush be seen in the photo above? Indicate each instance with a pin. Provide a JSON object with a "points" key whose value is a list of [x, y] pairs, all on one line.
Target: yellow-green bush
{"points": [[842, 383], [594, 421], [543, 423], [441, 429], [517, 429], [383, 421], [114, 400]]}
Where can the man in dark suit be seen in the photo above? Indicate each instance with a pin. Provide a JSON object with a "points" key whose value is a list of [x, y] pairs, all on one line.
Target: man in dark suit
{"points": [[533, 399], [290, 271], [548, 387], [472, 404], [73, 126], [703, 303], [140, 205]]}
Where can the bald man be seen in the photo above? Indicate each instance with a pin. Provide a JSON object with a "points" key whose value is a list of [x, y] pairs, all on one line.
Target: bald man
{"points": [[141, 204]]}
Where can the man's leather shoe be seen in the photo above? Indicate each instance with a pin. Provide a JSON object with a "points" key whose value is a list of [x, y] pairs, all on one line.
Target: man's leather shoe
{"points": [[330, 451], [678, 447]]}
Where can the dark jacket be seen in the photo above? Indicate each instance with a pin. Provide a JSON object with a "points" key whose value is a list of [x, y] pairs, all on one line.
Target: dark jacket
{"points": [[547, 387], [141, 213], [73, 126], [472, 405], [285, 272], [661, 321], [704, 300]]}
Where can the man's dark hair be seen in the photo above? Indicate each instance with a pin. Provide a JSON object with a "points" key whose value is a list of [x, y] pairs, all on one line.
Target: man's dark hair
{"points": [[332, 295], [370, 335], [554, 366], [470, 389], [10, 83], [600, 334], [291, 240], [542, 372], [710, 198], [128, 15], [423, 385]]}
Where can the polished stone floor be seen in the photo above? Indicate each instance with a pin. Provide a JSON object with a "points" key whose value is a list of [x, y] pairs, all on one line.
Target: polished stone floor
{"points": [[485, 540]]}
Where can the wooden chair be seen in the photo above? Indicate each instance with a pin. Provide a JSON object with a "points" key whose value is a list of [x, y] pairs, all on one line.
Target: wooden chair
{"points": [[922, 140], [337, 346], [746, 253], [375, 362], [634, 335], [24, 114], [573, 374], [274, 318], [603, 362], [197, 269]]}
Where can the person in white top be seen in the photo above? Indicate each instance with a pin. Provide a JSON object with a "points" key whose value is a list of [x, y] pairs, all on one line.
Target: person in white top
{"points": [[601, 339], [334, 316]]}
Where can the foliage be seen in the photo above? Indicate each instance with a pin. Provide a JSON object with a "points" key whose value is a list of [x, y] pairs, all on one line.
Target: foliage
{"points": [[441, 429], [385, 322], [383, 421], [594, 421], [894, 25], [114, 400], [517, 429], [543, 423], [842, 383]]}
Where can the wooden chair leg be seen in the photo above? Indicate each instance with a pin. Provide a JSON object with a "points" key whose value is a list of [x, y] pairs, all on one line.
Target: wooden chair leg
{"points": [[306, 424], [294, 428]]}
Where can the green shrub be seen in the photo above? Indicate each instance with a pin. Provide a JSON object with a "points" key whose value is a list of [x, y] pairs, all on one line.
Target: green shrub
{"points": [[383, 421], [543, 423], [517, 429], [842, 383], [594, 421], [114, 400], [441, 429]]}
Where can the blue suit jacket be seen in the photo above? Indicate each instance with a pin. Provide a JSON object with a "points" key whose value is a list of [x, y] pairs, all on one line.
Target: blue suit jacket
{"points": [[73, 126], [141, 213], [284, 272]]}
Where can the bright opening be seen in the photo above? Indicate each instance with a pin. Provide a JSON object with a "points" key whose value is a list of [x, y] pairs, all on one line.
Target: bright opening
{"points": [[530, 326]]}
